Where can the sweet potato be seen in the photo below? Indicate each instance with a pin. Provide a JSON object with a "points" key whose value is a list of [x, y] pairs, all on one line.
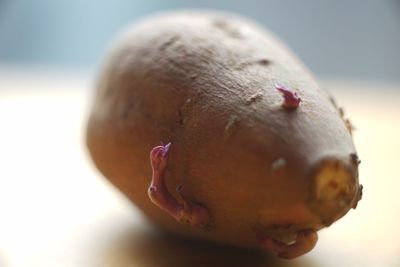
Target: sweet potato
{"points": [[260, 154]]}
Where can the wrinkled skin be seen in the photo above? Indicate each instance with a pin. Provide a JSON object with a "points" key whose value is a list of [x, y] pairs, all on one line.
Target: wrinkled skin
{"points": [[257, 166]]}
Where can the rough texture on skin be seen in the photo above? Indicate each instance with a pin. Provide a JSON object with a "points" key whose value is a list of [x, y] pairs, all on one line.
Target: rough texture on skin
{"points": [[206, 82]]}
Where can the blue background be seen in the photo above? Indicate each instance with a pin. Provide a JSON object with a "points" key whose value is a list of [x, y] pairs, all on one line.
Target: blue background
{"points": [[358, 39]]}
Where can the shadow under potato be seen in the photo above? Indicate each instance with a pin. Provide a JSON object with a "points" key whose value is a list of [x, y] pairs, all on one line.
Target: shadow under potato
{"points": [[147, 247]]}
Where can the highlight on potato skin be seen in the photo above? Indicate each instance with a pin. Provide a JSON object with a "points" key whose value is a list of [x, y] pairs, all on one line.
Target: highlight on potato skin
{"points": [[260, 155]]}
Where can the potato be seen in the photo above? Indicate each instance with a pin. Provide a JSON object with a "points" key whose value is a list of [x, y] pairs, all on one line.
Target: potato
{"points": [[260, 154]]}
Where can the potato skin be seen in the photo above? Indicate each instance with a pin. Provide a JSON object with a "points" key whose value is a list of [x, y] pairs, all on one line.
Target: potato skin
{"points": [[205, 81]]}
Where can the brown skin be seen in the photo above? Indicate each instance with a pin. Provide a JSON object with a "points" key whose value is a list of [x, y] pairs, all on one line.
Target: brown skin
{"points": [[266, 164]]}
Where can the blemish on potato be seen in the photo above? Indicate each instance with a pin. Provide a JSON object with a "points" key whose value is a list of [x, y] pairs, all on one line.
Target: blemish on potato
{"points": [[360, 191], [193, 76], [281, 225], [183, 111], [278, 163], [245, 64], [180, 116], [341, 112], [254, 98], [126, 110], [231, 30], [354, 158], [169, 42], [187, 103], [229, 127], [263, 61], [333, 101], [350, 127], [359, 196]]}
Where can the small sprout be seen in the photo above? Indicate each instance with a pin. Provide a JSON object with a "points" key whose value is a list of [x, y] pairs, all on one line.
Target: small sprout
{"points": [[187, 211], [290, 98], [165, 150], [305, 241]]}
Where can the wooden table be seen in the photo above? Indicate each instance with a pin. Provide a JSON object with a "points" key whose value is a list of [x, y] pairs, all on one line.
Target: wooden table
{"points": [[56, 210]]}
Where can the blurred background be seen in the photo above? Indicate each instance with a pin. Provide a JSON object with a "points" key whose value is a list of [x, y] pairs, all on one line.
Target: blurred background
{"points": [[357, 39]]}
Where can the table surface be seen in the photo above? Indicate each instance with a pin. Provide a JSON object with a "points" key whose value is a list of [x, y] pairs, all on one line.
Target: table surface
{"points": [[57, 210]]}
